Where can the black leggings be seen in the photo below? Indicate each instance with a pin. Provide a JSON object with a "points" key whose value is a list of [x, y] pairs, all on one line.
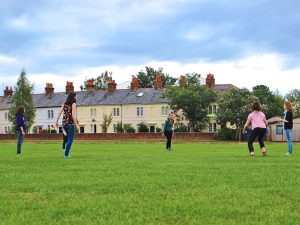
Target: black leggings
{"points": [[256, 132], [168, 135]]}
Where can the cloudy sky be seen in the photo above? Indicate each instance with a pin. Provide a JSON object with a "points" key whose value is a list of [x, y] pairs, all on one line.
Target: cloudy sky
{"points": [[242, 42]]}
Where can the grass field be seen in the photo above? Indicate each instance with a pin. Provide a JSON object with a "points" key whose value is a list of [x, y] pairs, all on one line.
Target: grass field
{"points": [[136, 183]]}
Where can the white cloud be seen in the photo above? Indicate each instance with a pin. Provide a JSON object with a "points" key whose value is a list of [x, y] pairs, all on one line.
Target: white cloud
{"points": [[7, 59], [20, 22]]}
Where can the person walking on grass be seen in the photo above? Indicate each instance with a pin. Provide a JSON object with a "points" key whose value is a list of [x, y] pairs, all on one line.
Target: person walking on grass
{"points": [[20, 128], [69, 121], [259, 128], [288, 125], [168, 131]]}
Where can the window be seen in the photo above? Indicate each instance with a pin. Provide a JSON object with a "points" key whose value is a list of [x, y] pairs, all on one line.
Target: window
{"points": [[142, 111], [212, 128], [50, 114], [210, 110], [6, 116], [93, 112], [214, 109], [138, 111], [116, 112], [167, 110], [5, 129], [140, 94], [163, 111], [279, 129], [82, 130], [115, 128]]}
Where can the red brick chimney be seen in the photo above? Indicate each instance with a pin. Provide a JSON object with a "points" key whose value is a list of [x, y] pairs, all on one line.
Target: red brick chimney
{"points": [[134, 84], [49, 89], [158, 82], [112, 86], [210, 80], [69, 87], [90, 85], [182, 81], [8, 92]]}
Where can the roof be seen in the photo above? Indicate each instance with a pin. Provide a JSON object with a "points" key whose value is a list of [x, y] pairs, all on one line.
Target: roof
{"points": [[223, 87], [84, 98]]}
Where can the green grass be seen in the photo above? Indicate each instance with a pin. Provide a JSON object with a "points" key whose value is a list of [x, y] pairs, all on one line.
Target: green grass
{"points": [[135, 183]]}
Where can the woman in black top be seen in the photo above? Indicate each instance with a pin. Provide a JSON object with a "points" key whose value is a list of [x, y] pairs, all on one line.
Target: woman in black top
{"points": [[288, 125]]}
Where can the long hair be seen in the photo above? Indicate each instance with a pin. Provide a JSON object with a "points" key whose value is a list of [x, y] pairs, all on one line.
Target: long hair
{"points": [[289, 106], [171, 118], [20, 110], [71, 98], [256, 106]]}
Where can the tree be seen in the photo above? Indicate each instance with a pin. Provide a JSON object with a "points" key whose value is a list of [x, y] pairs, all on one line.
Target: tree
{"points": [[146, 79], [294, 97], [271, 101], [193, 100], [120, 128], [107, 119], [22, 97], [234, 107], [101, 82]]}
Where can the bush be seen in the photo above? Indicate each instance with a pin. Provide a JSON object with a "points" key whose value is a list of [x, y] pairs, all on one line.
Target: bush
{"points": [[226, 134], [143, 128], [181, 128], [158, 130], [128, 128], [120, 128]]}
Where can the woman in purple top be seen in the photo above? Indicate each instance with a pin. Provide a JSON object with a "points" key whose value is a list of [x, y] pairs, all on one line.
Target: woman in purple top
{"points": [[259, 128], [20, 127]]}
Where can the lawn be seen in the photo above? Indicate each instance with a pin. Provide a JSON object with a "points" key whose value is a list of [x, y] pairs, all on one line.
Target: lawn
{"points": [[141, 183]]}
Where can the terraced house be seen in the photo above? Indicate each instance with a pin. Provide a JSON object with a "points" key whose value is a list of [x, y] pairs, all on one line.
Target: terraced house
{"points": [[127, 106]]}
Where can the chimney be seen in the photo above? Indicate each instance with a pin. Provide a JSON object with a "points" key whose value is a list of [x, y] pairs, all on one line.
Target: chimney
{"points": [[90, 85], [134, 84], [49, 89], [157, 82], [210, 80], [8, 92], [182, 81], [69, 87], [112, 86]]}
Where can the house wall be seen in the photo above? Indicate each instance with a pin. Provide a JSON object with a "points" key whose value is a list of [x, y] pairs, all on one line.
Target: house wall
{"points": [[5, 125], [277, 135]]}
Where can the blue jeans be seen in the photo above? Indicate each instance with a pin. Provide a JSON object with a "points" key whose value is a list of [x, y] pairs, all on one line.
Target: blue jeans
{"points": [[20, 142], [289, 139], [71, 133]]}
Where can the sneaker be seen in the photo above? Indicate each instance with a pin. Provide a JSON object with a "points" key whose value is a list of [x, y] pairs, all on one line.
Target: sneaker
{"points": [[252, 154], [66, 157], [288, 154], [264, 153]]}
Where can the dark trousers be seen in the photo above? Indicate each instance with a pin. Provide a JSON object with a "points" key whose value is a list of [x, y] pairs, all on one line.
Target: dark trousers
{"points": [[65, 137], [71, 133], [256, 132], [168, 135], [20, 142]]}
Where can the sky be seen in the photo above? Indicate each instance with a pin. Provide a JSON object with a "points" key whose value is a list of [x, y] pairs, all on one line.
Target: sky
{"points": [[245, 43]]}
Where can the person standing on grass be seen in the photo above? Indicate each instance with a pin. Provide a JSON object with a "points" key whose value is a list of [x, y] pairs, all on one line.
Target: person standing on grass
{"points": [[288, 125], [259, 128], [69, 120], [168, 131], [20, 128]]}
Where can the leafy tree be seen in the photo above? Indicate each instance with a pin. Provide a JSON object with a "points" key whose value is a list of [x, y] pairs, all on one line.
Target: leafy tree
{"points": [[271, 101], [107, 119], [193, 100], [22, 97], [147, 78], [234, 107], [143, 128], [128, 128], [101, 82], [120, 128], [294, 97]]}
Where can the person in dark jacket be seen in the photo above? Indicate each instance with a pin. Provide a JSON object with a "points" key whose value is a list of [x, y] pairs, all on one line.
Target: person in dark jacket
{"points": [[20, 127], [288, 125], [168, 131]]}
